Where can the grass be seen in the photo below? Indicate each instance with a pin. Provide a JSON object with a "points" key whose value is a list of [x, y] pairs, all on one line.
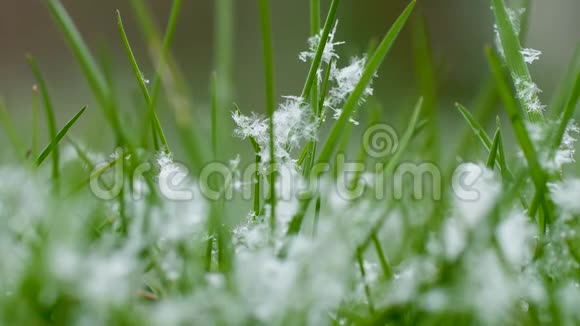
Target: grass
{"points": [[135, 237]]}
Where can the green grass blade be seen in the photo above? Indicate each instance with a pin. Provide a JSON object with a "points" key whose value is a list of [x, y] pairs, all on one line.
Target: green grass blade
{"points": [[484, 109], [174, 83], [387, 270], [82, 154], [142, 85], [224, 51], [330, 19], [501, 155], [270, 102], [426, 80], [308, 150], [214, 110], [296, 223], [373, 65], [314, 17], [11, 132], [95, 77], [510, 43], [493, 152], [34, 148], [316, 217], [167, 41], [564, 88], [568, 113], [484, 138], [53, 146], [49, 114], [475, 126], [537, 173], [394, 160], [367, 288]]}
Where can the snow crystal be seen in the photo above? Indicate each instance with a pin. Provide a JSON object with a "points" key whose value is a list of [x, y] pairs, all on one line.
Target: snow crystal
{"points": [[528, 93], [491, 290], [567, 150], [454, 237], [531, 55], [293, 124], [314, 41], [476, 189], [516, 238], [346, 80], [565, 195]]}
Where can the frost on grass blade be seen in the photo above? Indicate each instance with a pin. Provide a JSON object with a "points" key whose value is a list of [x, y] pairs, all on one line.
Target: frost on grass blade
{"points": [[345, 81], [515, 17], [329, 50], [527, 92], [531, 55], [553, 159], [293, 125]]}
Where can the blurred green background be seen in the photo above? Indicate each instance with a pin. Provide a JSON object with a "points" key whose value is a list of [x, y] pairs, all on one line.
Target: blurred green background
{"points": [[459, 29]]}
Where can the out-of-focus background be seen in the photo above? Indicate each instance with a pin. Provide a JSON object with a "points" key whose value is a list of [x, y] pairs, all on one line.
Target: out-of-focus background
{"points": [[459, 29]]}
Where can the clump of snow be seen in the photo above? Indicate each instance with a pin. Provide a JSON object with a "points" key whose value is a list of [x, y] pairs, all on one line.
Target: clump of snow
{"points": [[527, 92], [476, 189], [293, 124], [565, 195], [329, 51], [531, 55], [516, 236], [346, 80]]}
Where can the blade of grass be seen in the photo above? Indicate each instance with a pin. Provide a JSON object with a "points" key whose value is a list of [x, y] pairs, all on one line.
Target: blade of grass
{"points": [[484, 109], [485, 140], [214, 110], [34, 148], [510, 43], [53, 146], [224, 51], [172, 79], [387, 270], [506, 173], [330, 19], [257, 175], [394, 160], [374, 63], [316, 217], [82, 154], [314, 30], [49, 116], [475, 126], [270, 102], [360, 261], [564, 88], [95, 78], [142, 85], [15, 140], [296, 222], [425, 75], [163, 58], [568, 113], [537, 173], [224, 58], [493, 153], [306, 151]]}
